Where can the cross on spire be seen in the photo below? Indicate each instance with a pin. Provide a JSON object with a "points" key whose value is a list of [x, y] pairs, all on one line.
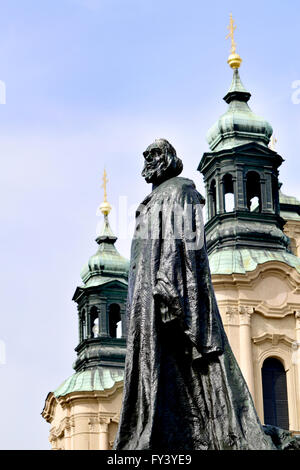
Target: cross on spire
{"points": [[234, 60], [232, 28], [105, 206], [105, 181]]}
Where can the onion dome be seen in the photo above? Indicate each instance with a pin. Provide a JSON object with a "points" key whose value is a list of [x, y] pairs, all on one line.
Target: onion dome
{"points": [[239, 125], [107, 263]]}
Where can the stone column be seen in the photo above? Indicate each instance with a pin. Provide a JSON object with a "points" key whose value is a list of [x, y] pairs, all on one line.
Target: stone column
{"points": [[124, 320], [69, 424], [234, 184], [241, 190], [103, 320], [81, 323], [297, 316], [220, 195], [209, 204], [103, 433], [88, 323], [269, 192], [231, 321], [246, 355], [266, 194], [296, 350], [84, 323]]}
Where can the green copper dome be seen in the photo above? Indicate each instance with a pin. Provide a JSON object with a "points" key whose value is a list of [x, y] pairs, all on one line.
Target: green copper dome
{"points": [[239, 125], [107, 263], [240, 261], [89, 380]]}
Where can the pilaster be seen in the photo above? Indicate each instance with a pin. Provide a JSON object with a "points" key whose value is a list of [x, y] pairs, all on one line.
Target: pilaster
{"points": [[246, 355]]}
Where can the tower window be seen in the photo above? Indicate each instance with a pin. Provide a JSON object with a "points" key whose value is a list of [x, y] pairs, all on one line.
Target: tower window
{"points": [[253, 192], [275, 393], [94, 322], [228, 193], [95, 328], [115, 329]]}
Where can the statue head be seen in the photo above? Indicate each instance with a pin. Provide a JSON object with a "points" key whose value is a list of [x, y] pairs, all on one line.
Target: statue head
{"points": [[161, 162]]}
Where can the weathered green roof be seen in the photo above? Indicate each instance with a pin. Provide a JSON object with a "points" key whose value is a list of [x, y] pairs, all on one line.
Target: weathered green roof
{"points": [[289, 207], [286, 215], [107, 262], [236, 84], [96, 379], [101, 280], [240, 261], [285, 199], [239, 125]]}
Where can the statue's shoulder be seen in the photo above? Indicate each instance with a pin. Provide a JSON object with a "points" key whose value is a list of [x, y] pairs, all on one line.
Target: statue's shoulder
{"points": [[179, 186], [179, 183]]}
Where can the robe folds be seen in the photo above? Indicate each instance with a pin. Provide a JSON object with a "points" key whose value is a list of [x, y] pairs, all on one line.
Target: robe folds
{"points": [[183, 389]]}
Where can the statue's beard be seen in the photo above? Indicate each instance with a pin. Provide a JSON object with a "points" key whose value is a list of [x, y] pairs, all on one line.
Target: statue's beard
{"points": [[154, 173]]}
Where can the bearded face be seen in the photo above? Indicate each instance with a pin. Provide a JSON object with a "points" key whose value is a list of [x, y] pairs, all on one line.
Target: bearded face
{"points": [[161, 162], [155, 163]]}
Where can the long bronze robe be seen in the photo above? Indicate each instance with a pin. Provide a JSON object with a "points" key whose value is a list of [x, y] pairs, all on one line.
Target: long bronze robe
{"points": [[183, 389]]}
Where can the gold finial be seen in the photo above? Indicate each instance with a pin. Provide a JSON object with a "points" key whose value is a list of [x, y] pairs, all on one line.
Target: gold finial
{"points": [[273, 143], [234, 60], [105, 206]]}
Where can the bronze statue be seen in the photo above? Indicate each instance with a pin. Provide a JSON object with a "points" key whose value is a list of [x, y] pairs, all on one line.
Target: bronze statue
{"points": [[183, 389]]}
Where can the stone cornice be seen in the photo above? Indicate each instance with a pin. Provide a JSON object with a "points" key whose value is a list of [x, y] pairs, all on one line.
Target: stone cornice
{"points": [[82, 396], [276, 312], [275, 339], [66, 401], [260, 308], [65, 424], [238, 314], [249, 279], [48, 411]]}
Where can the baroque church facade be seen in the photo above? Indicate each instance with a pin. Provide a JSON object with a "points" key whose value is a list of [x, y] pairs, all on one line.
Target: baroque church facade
{"points": [[253, 242]]}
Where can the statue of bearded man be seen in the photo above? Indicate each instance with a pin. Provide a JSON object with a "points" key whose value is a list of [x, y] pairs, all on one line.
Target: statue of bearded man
{"points": [[183, 389]]}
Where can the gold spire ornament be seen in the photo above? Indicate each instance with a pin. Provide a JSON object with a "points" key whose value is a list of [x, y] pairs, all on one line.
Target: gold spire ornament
{"points": [[105, 207], [234, 60]]}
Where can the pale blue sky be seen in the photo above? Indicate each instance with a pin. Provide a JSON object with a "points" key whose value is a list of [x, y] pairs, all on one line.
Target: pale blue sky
{"points": [[92, 83]]}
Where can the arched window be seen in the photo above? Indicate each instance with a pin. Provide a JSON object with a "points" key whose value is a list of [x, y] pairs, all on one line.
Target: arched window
{"points": [[94, 322], [212, 199], [253, 192], [228, 193], [115, 321], [275, 393]]}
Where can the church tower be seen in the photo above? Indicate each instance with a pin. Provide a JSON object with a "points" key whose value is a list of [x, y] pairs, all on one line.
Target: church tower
{"points": [[255, 271], [241, 178], [101, 303], [84, 410]]}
